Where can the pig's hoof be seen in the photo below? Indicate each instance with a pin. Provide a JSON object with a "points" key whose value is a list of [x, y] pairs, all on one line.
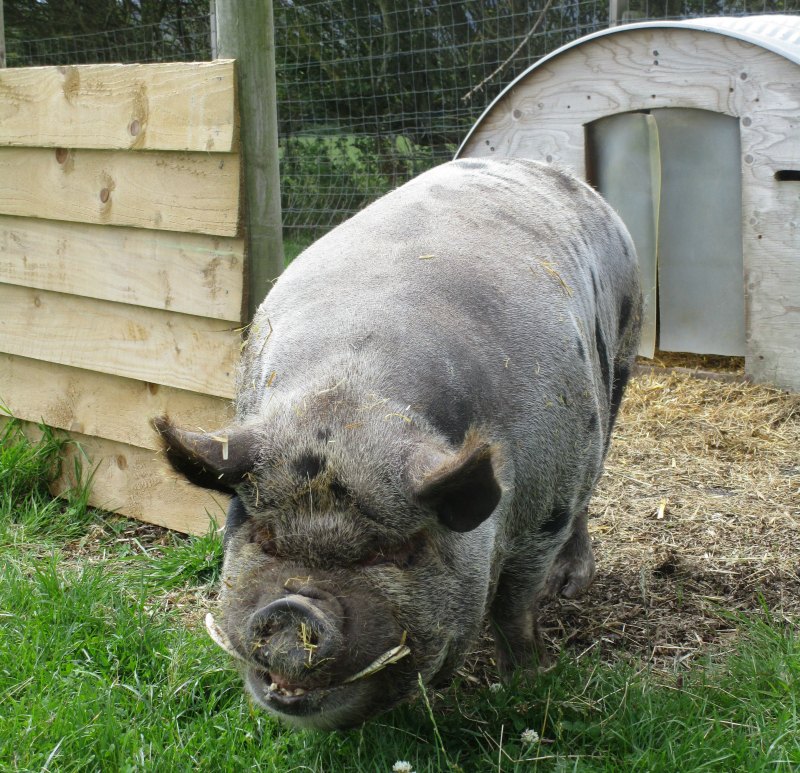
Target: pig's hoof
{"points": [[572, 573], [529, 665], [526, 654]]}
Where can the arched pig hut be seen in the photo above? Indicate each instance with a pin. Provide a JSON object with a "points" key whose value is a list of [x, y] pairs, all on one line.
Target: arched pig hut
{"points": [[691, 129]]}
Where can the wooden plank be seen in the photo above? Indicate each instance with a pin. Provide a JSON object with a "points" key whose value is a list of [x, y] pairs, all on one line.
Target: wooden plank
{"points": [[136, 482], [160, 347], [2, 39], [770, 219], [245, 32], [770, 133], [100, 404], [195, 192], [189, 273], [174, 106]]}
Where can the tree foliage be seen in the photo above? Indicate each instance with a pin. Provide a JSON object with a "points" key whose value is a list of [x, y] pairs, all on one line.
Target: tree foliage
{"points": [[366, 62], [89, 31], [54, 18]]}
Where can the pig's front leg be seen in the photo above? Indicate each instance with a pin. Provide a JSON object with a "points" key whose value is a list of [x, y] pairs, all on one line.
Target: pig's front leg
{"points": [[573, 568], [514, 617]]}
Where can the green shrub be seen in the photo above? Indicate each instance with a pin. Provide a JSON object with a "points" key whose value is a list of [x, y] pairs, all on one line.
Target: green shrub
{"points": [[327, 178]]}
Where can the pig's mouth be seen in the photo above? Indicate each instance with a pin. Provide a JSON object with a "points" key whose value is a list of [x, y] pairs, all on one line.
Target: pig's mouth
{"points": [[274, 691], [281, 689]]}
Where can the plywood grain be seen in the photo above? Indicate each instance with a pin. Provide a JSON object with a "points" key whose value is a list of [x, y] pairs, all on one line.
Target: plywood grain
{"points": [[159, 347], [544, 115], [172, 106], [195, 192], [771, 230], [190, 273]]}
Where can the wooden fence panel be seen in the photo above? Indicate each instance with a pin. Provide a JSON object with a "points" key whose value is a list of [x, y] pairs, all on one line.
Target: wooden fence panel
{"points": [[102, 405], [159, 269], [122, 271], [172, 191], [173, 106], [159, 347], [136, 482]]}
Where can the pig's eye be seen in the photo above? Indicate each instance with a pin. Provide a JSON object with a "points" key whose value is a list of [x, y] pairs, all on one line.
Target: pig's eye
{"points": [[268, 547], [404, 556], [376, 559], [264, 540]]}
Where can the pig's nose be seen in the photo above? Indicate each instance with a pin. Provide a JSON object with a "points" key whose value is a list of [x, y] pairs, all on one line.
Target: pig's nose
{"points": [[293, 634]]}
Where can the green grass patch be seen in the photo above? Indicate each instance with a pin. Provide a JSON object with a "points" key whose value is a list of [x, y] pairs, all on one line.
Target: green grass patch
{"points": [[293, 246], [104, 666], [26, 470]]}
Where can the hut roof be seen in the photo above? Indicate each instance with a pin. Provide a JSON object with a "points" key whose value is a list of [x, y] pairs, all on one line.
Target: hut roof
{"points": [[774, 32]]}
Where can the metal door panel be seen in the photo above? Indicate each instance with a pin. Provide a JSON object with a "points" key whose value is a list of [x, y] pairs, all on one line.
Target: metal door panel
{"points": [[623, 163], [700, 266]]}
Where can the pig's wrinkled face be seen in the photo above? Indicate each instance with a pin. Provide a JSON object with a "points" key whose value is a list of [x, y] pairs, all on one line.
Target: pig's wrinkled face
{"points": [[331, 639], [354, 565]]}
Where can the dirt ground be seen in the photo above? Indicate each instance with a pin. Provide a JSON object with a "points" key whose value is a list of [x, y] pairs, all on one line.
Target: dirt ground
{"points": [[697, 516]]}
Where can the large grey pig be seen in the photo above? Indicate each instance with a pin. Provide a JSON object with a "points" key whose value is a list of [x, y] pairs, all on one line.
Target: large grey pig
{"points": [[423, 407]]}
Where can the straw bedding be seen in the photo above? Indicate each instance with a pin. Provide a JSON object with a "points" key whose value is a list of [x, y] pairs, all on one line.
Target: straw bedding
{"points": [[696, 517]]}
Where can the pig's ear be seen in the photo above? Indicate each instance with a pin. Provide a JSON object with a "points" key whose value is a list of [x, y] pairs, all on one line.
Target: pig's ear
{"points": [[217, 460], [461, 488]]}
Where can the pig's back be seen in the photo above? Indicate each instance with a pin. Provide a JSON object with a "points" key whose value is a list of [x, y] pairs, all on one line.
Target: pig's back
{"points": [[483, 292]]}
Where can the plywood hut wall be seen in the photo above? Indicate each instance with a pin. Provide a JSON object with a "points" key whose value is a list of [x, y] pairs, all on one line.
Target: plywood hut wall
{"points": [[635, 101], [121, 266]]}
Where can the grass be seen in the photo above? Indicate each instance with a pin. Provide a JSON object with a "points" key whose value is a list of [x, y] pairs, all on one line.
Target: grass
{"points": [[104, 666], [292, 247]]}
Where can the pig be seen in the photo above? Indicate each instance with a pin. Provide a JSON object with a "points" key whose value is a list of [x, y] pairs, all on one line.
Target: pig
{"points": [[423, 406]]}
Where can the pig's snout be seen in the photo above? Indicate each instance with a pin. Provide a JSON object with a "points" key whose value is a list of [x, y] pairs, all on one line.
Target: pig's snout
{"points": [[295, 634]]}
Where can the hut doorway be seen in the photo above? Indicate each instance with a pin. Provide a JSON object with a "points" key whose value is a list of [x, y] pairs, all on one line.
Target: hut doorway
{"points": [[674, 176]]}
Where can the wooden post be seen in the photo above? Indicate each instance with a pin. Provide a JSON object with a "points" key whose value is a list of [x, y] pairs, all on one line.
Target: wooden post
{"points": [[212, 12], [2, 38], [613, 13], [245, 33]]}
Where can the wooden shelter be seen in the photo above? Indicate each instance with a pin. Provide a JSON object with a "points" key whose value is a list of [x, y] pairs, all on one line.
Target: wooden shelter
{"points": [[691, 129]]}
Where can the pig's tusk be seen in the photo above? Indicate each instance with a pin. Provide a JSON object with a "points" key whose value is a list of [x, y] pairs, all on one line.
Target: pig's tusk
{"points": [[392, 656], [223, 440], [220, 638]]}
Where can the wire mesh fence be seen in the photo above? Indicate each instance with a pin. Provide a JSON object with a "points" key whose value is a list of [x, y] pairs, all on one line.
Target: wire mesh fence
{"points": [[169, 40], [372, 92]]}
